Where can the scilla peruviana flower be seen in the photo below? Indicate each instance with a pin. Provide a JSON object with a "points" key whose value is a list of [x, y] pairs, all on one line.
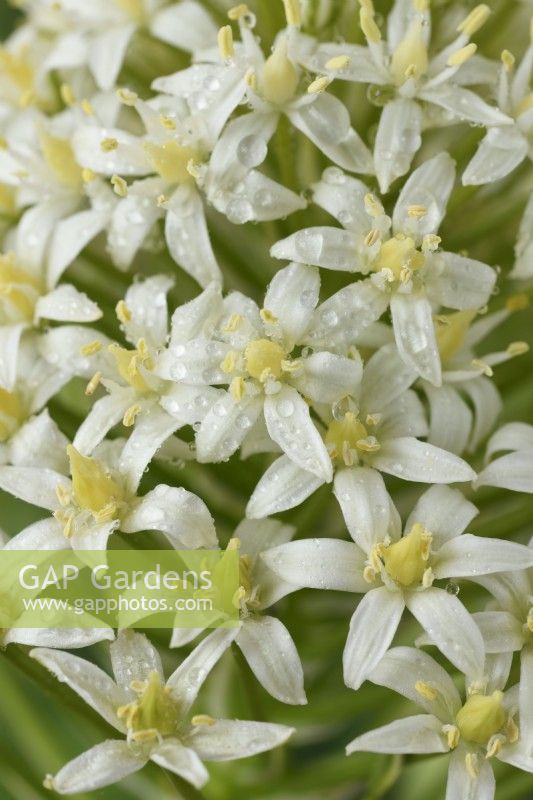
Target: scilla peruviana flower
{"points": [[378, 425], [408, 270], [100, 498], [263, 639], [153, 714], [261, 355], [514, 470], [464, 410], [397, 571], [416, 90], [475, 728], [275, 86], [504, 148]]}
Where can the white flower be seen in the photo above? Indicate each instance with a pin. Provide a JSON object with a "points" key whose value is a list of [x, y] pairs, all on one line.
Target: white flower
{"points": [[514, 470], [397, 571], [464, 409], [259, 354], [523, 268], [504, 148], [264, 641], [153, 714], [96, 35], [100, 498], [415, 90], [474, 729], [409, 271], [274, 86], [377, 425]]}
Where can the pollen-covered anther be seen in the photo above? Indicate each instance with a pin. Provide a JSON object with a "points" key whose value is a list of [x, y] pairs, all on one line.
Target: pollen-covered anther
{"points": [[338, 63], [108, 145], [453, 735], [120, 187], [130, 415], [431, 243], [63, 495], [462, 56], [88, 175], [518, 348], [372, 237], [229, 363], [267, 316], [87, 107], [319, 85], [106, 514], [91, 348], [417, 212], [368, 445], [250, 79], [48, 782], [67, 94], [292, 366], [472, 765], [237, 389], [369, 574], [512, 732], [123, 312], [232, 324], [373, 419], [162, 200], [372, 205], [428, 578], [127, 97], [203, 719], [425, 690], [93, 384], [517, 302], [529, 621], [495, 745], [508, 60], [369, 25], [236, 12], [225, 43], [406, 275], [167, 122], [475, 20], [486, 369]]}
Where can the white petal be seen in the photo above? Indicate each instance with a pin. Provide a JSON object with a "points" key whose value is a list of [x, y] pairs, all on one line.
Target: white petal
{"points": [[91, 683], [183, 761], [385, 378], [227, 740], [513, 471], [476, 555], [104, 415], [487, 404], [292, 296], [46, 534], [412, 460], [132, 220], [39, 443], [462, 784], [403, 667], [70, 237], [344, 316], [182, 636], [343, 197], [35, 486], [526, 695], [67, 304], [271, 653], [196, 317], [284, 485], [71, 638], [188, 240], [189, 404], [127, 159], [418, 734], [332, 248], [186, 25], [404, 416], [181, 515], [266, 199], [133, 657], [328, 378], [37, 226], [372, 629], [450, 418], [459, 282], [147, 303], [9, 349], [430, 186], [499, 153], [152, 429], [398, 139], [225, 426], [256, 536], [465, 105], [290, 425], [361, 69], [326, 122], [513, 436], [414, 332], [365, 505], [102, 765], [92, 536], [319, 564], [443, 511], [62, 346], [501, 631], [107, 52], [188, 678], [451, 628]]}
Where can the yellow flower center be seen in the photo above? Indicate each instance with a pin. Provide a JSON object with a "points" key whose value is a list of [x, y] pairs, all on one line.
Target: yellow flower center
{"points": [[155, 712], [407, 560], [263, 359], [133, 8], [60, 157], [451, 330], [397, 254], [280, 77], [170, 160], [481, 717], [128, 363], [94, 488], [345, 435], [19, 288], [410, 59], [11, 414]]}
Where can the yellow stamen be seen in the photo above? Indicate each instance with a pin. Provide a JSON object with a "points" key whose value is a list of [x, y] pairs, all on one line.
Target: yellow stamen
{"points": [[369, 26], [417, 212], [232, 324], [338, 63], [87, 175], [120, 187], [461, 56], [452, 734], [372, 206], [319, 85], [93, 384], [167, 122], [237, 387], [123, 312], [425, 690], [91, 348], [517, 302], [267, 316], [225, 43], [108, 145], [230, 362], [63, 495], [239, 11], [472, 765], [131, 415], [475, 20], [518, 348], [87, 107], [67, 94], [263, 358], [133, 8], [487, 370], [372, 237], [508, 60], [127, 97], [203, 719], [128, 363]]}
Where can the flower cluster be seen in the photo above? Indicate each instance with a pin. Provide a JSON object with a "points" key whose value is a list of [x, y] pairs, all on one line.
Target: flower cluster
{"points": [[103, 172]]}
